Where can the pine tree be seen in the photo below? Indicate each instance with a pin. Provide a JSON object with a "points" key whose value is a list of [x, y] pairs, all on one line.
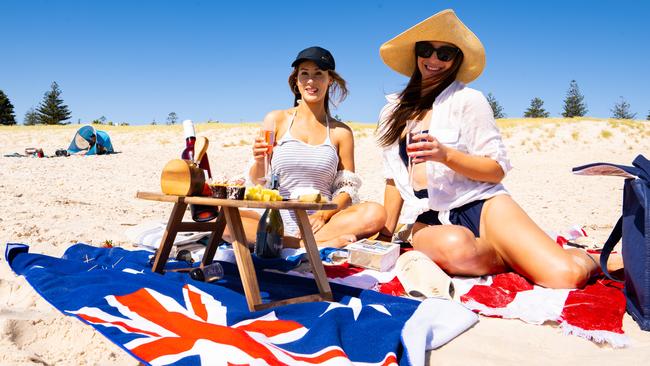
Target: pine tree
{"points": [[99, 121], [574, 105], [172, 118], [7, 116], [31, 118], [536, 109], [621, 110], [497, 110], [52, 111]]}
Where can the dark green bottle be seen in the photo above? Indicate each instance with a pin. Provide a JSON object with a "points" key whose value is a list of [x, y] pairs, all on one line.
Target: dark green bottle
{"points": [[270, 230]]}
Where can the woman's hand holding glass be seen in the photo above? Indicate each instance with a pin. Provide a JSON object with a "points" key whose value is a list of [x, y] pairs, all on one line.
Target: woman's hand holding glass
{"points": [[425, 147], [421, 147], [413, 129], [267, 137], [261, 150]]}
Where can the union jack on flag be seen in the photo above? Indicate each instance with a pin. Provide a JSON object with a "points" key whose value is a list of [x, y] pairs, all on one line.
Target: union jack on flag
{"points": [[171, 319]]}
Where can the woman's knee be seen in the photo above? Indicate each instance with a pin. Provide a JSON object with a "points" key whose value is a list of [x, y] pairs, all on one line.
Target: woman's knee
{"points": [[564, 273], [451, 248], [373, 215]]}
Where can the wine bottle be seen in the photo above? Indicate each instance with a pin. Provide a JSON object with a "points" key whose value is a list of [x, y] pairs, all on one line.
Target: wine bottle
{"points": [[200, 213], [270, 230], [190, 139]]}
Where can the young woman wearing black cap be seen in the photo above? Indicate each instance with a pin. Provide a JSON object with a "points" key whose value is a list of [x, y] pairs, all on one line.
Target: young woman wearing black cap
{"points": [[313, 150]]}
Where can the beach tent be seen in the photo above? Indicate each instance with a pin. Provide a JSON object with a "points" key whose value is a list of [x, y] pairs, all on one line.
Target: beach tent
{"points": [[96, 142]]}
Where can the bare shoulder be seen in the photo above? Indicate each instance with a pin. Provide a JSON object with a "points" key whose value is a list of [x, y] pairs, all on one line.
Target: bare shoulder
{"points": [[278, 117], [340, 131]]}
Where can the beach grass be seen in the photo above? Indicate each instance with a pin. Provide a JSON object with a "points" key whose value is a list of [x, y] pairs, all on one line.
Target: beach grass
{"points": [[502, 123]]}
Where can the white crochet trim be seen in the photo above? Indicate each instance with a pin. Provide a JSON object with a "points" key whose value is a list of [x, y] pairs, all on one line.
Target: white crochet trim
{"points": [[348, 182]]}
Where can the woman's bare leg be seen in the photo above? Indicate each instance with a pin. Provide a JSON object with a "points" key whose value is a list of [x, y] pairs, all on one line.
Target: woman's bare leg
{"points": [[529, 251], [357, 221], [509, 238], [249, 220], [455, 249]]}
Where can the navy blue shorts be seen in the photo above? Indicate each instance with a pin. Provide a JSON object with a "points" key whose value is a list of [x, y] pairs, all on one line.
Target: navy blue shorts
{"points": [[468, 215]]}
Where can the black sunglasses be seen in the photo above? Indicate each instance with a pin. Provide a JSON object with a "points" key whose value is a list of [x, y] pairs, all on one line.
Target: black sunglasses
{"points": [[443, 53]]}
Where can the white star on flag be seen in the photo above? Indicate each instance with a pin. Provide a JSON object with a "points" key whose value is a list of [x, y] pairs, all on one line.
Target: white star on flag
{"points": [[356, 306]]}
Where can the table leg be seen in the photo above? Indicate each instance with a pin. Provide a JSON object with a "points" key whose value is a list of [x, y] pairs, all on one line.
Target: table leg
{"points": [[243, 256], [312, 253], [215, 238], [168, 237]]}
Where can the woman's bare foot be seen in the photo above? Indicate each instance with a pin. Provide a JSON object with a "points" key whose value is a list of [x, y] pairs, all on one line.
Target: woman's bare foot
{"points": [[338, 242], [614, 262]]}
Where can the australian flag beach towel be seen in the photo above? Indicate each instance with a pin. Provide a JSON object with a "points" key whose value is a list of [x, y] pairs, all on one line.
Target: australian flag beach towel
{"points": [[171, 319]]}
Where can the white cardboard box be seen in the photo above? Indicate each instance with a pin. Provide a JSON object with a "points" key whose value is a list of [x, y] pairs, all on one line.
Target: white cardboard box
{"points": [[373, 254]]}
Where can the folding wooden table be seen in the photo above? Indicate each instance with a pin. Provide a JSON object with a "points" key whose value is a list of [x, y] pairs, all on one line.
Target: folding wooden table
{"points": [[229, 215]]}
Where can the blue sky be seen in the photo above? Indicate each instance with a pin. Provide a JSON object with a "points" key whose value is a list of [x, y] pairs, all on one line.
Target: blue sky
{"points": [[136, 61]]}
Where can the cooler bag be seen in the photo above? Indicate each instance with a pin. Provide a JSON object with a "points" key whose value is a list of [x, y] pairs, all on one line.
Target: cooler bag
{"points": [[634, 228]]}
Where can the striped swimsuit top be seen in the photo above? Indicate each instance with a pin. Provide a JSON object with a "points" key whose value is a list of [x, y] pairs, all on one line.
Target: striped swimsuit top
{"points": [[300, 165]]}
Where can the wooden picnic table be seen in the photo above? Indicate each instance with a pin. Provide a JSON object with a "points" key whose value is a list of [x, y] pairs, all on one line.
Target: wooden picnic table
{"points": [[229, 215]]}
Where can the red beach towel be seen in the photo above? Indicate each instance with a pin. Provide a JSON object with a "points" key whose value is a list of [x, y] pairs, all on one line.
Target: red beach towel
{"points": [[594, 312]]}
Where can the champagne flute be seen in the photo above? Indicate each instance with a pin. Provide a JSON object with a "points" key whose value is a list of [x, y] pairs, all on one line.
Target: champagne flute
{"points": [[415, 128], [268, 134], [412, 129]]}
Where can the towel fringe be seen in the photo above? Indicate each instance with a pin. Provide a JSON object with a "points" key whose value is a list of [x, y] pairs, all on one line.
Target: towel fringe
{"points": [[615, 340]]}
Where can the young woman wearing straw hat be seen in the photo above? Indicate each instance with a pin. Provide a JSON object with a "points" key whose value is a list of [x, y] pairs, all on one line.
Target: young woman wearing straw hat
{"points": [[314, 150], [465, 220]]}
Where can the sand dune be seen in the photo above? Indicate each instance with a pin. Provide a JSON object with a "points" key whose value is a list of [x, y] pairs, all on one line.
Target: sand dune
{"points": [[52, 203]]}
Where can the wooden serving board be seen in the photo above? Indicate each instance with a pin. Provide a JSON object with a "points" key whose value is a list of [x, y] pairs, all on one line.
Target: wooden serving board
{"points": [[236, 203]]}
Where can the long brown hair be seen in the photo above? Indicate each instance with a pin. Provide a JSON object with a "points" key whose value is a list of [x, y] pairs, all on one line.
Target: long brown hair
{"points": [[337, 91], [412, 104]]}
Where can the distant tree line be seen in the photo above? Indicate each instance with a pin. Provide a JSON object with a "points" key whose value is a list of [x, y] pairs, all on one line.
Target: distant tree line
{"points": [[52, 110], [574, 106]]}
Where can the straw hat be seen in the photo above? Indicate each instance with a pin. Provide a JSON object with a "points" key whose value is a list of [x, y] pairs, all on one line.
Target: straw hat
{"points": [[422, 278], [399, 52]]}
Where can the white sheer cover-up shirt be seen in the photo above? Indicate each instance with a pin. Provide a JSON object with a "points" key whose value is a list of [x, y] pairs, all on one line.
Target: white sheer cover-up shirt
{"points": [[462, 119]]}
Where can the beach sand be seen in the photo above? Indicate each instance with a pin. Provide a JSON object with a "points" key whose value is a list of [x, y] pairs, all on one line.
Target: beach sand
{"points": [[53, 203]]}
